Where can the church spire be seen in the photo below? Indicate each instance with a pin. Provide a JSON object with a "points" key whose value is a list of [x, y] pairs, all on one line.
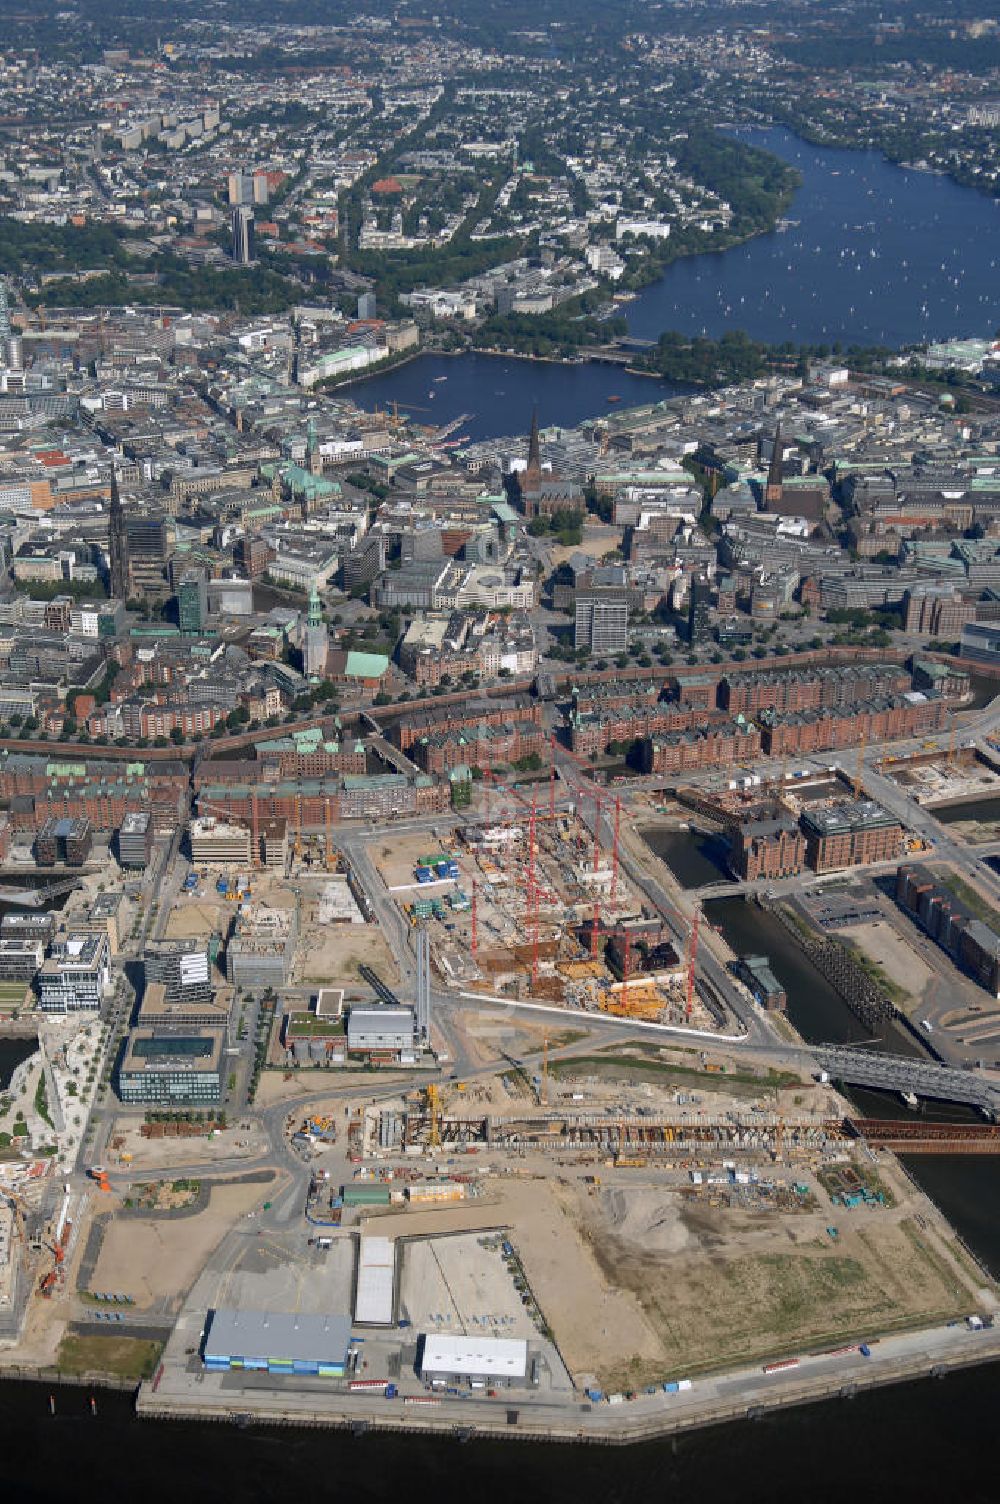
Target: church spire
{"points": [[534, 444]]}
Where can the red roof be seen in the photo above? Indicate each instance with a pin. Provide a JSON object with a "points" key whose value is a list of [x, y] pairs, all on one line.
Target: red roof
{"points": [[387, 185]]}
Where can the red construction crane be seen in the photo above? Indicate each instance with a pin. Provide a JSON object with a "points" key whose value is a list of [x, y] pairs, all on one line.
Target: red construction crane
{"points": [[597, 832], [614, 850]]}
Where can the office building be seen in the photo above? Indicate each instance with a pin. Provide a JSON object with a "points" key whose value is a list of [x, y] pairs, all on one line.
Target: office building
{"points": [[850, 834], [366, 305], [105, 916], [219, 843], [135, 839], [147, 547], [20, 960], [602, 620], [700, 610], [77, 975], [172, 1067], [767, 849], [243, 235], [261, 949], [277, 1342], [63, 840], [971, 943], [192, 602], [183, 969]]}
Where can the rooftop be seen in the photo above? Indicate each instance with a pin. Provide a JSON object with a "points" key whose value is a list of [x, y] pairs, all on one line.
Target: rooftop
{"points": [[281, 1336]]}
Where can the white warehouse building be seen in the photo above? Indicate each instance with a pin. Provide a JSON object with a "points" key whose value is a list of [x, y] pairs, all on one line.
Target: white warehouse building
{"points": [[476, 1361]]}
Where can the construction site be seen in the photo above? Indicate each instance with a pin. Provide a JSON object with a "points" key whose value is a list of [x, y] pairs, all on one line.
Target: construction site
{"points": [[658, 1211], [528, 904]]}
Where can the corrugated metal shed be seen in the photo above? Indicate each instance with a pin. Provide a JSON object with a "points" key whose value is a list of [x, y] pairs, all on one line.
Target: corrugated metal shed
{"points": [[373, 1301]]}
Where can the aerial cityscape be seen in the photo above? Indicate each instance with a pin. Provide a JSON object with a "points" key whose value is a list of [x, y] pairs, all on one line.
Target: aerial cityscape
{"points": [[499, 739]]}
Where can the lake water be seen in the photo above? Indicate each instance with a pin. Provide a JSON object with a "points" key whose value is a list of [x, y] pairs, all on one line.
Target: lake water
{"points": [[498, 393], [879, 255]]}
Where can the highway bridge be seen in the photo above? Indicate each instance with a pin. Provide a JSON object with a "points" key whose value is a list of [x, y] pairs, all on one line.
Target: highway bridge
{"points": [[899, 1073]]}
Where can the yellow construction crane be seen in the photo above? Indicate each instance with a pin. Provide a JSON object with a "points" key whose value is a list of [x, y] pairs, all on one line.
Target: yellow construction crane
{"points": [[434, 1108]]}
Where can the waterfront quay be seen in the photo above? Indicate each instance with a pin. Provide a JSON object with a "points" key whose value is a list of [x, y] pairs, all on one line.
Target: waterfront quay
{"points": [[737, 1395]]}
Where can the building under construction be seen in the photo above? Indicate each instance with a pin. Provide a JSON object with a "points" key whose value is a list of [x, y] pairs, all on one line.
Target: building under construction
{"points": [[675, 1135]]}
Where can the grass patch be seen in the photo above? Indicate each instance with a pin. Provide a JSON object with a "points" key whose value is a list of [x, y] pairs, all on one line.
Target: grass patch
{"points": [[632, 1065], [566, 1037], [42, 1102], [972, 898], [941, 1267], [12, 994], [125, 1357]]}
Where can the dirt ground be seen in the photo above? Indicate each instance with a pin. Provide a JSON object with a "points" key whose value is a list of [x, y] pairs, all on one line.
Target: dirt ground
{"points": [[598, 539], [722, 1287], [595, 1324], [198, 917], [397, 859], [901, 962], [156, 1259], [640, 1283], [331, 957], [225, 1147]]}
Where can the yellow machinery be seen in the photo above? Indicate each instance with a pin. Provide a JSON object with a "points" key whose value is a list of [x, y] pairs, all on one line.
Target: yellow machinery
{"points": [[434, 1108], [639, 999]]}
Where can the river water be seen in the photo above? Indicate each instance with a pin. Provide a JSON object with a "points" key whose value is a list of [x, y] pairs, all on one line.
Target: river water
{"points": [[928, 1440]]}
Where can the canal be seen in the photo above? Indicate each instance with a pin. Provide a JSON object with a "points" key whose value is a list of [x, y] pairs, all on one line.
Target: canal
{"points": [[12, 1053]]}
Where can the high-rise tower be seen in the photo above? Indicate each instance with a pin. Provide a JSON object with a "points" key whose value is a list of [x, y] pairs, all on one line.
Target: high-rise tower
{"points": [[773, 489], [117, 546]]}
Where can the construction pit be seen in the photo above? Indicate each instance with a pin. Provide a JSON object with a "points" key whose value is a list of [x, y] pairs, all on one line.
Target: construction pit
{"points": [[936, 777], [334, 940], [529, 907]]}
